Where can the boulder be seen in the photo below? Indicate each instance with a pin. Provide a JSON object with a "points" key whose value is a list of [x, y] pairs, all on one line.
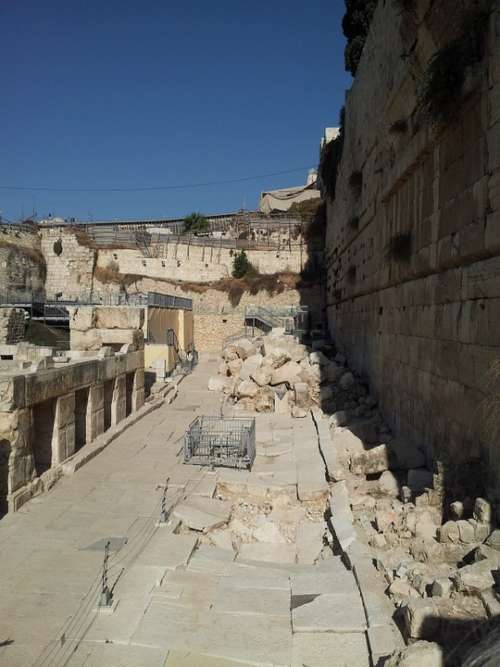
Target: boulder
{"points": [[229, 353], [264, 400], [234, 366], [370, 461], [449, 532], [278, 357], [288, 373], [493, 540], [456, 510], [298, 413], [262, 376], [425, 525], [347, 381], [217, 383], [476, 577], [481, 530], [421, 618], [318, 359], [482, 511], [338, 418], [248, 389], [419, 654], [388, 483], [250, 365], [244, 348], [466, 532], [441, 587]]}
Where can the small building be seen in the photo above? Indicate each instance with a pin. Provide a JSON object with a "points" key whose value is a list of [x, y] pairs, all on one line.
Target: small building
{"points": [[281, 200]]}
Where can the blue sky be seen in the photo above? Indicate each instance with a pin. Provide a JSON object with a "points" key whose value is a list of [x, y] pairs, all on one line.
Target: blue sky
{"points": [[128, 94]]}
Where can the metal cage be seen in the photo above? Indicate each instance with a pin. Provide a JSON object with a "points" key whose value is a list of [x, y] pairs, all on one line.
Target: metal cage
{"points": [[220, 441]]}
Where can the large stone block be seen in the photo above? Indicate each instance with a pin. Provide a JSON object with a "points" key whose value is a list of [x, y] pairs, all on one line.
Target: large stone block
{"points": [[119, 317]]}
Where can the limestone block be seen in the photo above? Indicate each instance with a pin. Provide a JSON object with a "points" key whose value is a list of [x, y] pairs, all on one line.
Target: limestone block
{"points": [[302, 397], [288, 373], [250, 365], [476, 577], [420, 654], [370, 461], [318, 359], [216, 383], [244, 348], [248, 389], [119, 317], [12, 393], [262, 376], [441, 587], [81, 318], [388, 483], [482, 511], [421, 618], [234, 366], [264, 400]]}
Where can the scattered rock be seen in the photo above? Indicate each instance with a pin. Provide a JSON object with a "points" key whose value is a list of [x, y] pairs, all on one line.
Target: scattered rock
{"points": [[441, 587], [248, 389], [419, 654], [388, 483], [476, 577], [449, 532]]}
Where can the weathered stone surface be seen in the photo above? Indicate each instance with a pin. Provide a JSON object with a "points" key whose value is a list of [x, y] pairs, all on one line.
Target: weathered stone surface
{"points": [[262, 376], [288, 373], [370, 461], [216, 383], [442, 587], [250, 366], [330, 613], [247, 389], [476, 577], [419, 654], [449, 532], [244, 348], [388, 483], [482, 511], [339, 418], [347, 381], [203, 514]]}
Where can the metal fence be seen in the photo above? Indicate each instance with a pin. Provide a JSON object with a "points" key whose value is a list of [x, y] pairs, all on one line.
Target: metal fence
{"points": [[220, 441]]}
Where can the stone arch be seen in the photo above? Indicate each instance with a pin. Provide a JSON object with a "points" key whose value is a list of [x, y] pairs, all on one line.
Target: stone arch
{"points": [[5, 450]]}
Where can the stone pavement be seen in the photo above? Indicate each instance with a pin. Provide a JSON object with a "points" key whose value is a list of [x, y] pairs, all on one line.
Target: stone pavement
{"points": [[184, 597]]}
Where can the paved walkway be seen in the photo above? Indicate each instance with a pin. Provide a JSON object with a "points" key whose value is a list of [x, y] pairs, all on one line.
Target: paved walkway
{"points": [[181, 601]]}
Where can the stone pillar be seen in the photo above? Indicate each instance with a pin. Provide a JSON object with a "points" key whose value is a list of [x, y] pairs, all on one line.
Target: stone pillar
{"points": [[119, 402], [138, 390], [63, 439], [95, 411]]}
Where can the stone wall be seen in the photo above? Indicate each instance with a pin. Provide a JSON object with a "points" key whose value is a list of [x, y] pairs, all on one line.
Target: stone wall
{"points": [[413, 245], [12, 325], [72, 262], [70, 265], [51, 406], [22, 264], [91, 327]]}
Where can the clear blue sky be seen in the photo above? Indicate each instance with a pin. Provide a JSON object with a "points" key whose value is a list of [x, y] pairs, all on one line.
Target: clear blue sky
{"points": [[138, 93]]}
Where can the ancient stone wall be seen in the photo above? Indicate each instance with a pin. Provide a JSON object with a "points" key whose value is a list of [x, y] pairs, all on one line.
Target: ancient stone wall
{"points": [[413, 239], [70, 265], [22, 264], [12, 325]]}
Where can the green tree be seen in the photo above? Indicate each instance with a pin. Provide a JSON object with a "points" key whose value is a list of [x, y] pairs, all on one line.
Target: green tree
{"points": [[194, 223], [241, 265], [356, 25]]}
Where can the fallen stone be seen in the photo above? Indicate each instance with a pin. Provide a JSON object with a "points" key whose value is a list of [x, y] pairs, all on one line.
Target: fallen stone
{"points": [[493, 540], [318, 359], [421, 618], [441, 587], [248, 389], [388, 483], [482, 511], [449, 532], [481, 530], [419, 654], [402, 589], [264, 401], [456, 510], [288, 373], [244, 348], [466, 531], [234, 366], [329, 613], [347, 381], [338, 418], [425, 550], [202, 514], [370, 461], [250, 366], [476, 577], [262, 376], [425, 526]]}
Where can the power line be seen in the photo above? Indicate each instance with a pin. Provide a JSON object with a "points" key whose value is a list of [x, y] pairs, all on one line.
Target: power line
{"points": [[153, 188]]}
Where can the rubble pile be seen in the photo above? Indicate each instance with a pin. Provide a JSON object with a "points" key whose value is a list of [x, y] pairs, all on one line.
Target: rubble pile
{"points": [[440, 563], [275, 373]]}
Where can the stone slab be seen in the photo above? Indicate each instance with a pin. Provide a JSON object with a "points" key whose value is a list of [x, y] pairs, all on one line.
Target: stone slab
{"points": [[203, 514], [312, 649], [330, 613], [268, 552], [253, 601], [317, 582], [168, 550]]}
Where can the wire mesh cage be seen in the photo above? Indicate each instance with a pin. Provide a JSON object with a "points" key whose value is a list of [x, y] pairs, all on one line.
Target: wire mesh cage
{"points": [[220, 441]]}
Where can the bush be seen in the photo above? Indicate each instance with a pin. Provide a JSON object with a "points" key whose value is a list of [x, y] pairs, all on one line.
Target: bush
{"points": [[195, 223], [241, 265], [356, 25], [441, 88]]}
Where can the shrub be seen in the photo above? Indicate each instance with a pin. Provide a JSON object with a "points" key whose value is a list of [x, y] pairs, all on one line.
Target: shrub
{"points": [[399, 247], [195, 223], [241, 265], [331, 155], [441, 88], [312, 213], [356, 25]]}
